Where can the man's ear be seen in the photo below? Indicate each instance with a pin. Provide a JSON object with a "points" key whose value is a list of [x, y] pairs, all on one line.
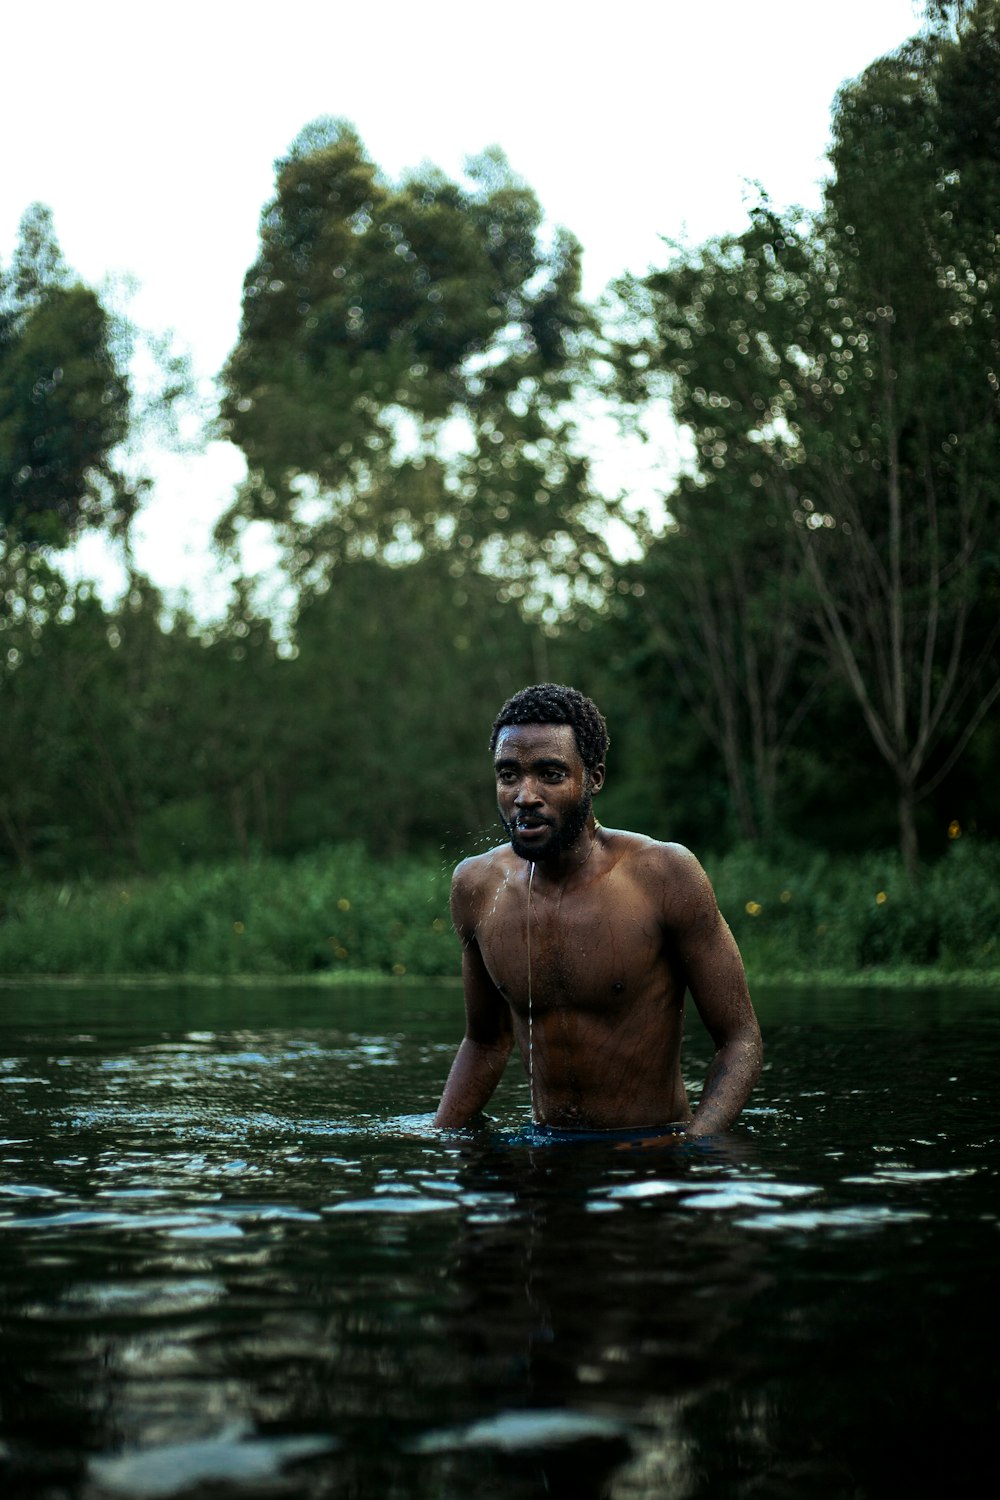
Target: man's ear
{"points": [[596, 779]]}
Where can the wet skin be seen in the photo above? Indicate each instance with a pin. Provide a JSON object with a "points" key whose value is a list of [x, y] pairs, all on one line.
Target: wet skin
{"points": [[609, 931]]}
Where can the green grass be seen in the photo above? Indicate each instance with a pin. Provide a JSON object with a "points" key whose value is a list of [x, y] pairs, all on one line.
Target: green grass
{"points": [[802, 915], [336, 910], [338, 914]]}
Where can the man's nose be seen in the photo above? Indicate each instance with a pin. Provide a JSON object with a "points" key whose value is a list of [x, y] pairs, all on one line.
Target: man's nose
{"points": [[527, 794]]}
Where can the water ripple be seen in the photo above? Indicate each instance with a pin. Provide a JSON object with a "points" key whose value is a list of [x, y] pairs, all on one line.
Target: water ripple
{"points": [[228, 1458]]}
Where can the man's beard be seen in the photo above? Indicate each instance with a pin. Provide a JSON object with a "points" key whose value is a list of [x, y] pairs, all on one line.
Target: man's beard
{"points": [[561, 838]]}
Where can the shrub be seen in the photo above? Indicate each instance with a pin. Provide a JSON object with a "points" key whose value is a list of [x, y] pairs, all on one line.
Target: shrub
{"points": [[335, 908]]}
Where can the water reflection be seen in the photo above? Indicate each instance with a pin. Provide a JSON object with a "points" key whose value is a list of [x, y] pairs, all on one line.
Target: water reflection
{"points": [[235, 1252], [594, 1291]]}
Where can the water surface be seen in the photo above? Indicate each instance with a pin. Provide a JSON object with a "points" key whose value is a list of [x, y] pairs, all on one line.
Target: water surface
{"points": [[235, 1258]]}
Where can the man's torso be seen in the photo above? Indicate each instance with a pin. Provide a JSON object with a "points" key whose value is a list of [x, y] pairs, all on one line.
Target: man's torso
{"points": [[595, 993]]}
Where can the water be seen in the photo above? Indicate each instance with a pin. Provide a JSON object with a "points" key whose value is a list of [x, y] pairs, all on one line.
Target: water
{"points": [[235, 1259]]}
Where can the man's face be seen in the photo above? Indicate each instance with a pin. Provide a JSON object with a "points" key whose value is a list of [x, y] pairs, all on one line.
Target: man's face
{"points": [[543, 788]]}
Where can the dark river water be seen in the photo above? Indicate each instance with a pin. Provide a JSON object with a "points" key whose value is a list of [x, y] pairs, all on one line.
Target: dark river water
{"points": [[235, 1259]]}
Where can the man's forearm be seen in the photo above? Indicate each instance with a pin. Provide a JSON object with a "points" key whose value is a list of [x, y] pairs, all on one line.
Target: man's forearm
{"points": [[474, 1075], [734, 1070]]}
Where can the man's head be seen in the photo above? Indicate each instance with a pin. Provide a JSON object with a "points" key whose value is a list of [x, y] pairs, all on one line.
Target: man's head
{"points": [[552, 703], [549, 744]]}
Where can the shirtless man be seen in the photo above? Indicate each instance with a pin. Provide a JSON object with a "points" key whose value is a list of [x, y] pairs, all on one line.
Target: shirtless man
{"points": [[579, 943]]}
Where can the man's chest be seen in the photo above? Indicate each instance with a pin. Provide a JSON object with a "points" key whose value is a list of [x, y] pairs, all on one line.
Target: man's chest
{"points": [[569, 948]]}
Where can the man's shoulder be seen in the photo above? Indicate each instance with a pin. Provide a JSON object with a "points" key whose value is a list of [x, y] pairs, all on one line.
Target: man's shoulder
{"points": [[473, 882], [668, 870], [639, 851], [471, 873]]}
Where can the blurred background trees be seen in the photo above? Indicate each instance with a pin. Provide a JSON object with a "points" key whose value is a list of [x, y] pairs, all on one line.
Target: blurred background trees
{"points": [[806, 649], [407, 362], [64, 398], [838, 374]]}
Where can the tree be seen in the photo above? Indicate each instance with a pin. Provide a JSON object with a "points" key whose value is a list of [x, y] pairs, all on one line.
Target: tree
{"points": [[838, 375], [905, 562], [403, 669], [724, 610], [64, 399], [722, 593], [405, 363]]}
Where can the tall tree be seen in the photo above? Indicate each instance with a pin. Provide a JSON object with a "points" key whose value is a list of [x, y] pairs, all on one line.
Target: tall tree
{"points": [[64, 399], [907, 574], [406, 361], [725, 611], [839, 376], [722, 592]]}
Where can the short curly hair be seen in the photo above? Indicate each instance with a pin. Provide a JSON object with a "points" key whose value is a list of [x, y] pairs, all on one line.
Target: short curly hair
{"points": [[554, 703]]}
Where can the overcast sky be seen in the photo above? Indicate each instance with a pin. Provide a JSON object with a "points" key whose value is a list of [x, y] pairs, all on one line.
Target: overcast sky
{"points": [[151, 132]]}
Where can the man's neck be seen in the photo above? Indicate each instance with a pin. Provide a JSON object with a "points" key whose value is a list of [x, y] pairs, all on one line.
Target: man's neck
{"points": [[569, 862]]}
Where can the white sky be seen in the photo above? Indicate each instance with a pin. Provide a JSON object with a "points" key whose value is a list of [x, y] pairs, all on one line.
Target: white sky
{"points": [[151, 132]]}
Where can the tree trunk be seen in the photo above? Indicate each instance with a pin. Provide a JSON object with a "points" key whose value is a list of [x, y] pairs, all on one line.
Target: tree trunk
{"points": [[908, 846]]}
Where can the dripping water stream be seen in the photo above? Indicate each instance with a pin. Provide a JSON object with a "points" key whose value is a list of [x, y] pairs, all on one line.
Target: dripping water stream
{"points": [[531, 1037]]}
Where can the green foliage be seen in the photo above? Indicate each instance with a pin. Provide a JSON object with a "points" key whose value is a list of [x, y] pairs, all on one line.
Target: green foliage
{"points": [[64, 400], [805, 913], [338, 910], [87, 698], [808, 650], [838, 377], [405, 362], [128, 744], [335, 909]]}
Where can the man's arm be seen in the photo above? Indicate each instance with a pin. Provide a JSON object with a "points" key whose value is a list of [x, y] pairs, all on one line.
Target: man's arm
{"points": [[718, 985], [483, 1054]]}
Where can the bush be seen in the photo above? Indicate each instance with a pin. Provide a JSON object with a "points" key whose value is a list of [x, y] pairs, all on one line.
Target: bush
{"points": [[800, 912], [333, 909], [794, 912]]}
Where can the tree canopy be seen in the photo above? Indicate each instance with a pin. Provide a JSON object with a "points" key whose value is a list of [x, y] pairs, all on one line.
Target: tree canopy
{"points": [[64, 399], [406, 360], [809, 649], [838, 374]]}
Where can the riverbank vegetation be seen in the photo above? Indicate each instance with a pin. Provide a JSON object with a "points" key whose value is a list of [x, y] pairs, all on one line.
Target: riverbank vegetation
{"points": [[338, 912], [802, 653]]}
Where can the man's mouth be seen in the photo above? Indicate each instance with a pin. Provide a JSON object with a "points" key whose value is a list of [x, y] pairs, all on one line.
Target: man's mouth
{"points": [[530, 824]]}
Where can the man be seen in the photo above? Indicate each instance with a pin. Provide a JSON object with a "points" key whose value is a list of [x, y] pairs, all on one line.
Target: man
{"points": [[580, 942]]}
